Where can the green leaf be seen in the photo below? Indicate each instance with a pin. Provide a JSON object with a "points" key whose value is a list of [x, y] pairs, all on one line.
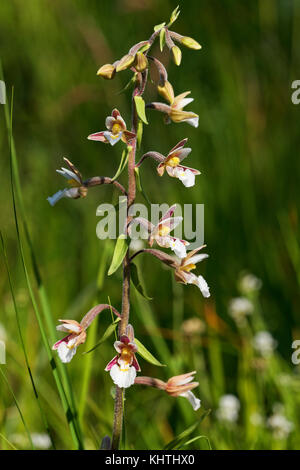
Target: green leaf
{"points": [[108, 332], [174, 15], [179, 440], [144, 48], [142, 351], [162, 39], [128, 84], [159, 26], [120, 251], [123, 163], [140, 108], [139, 134], [135, 279], [194, 439], [139, 185]]}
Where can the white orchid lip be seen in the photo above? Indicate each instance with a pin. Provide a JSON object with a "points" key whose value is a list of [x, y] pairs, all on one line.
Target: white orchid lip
{"points": [[67, 346], [124, 366]]}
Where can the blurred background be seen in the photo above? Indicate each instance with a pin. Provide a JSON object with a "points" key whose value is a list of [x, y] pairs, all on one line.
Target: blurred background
{"points": [[246, 147]]}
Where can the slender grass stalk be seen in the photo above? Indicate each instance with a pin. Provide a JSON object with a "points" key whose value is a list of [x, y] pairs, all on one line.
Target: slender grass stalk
{"points": [[42, 294], [68, 411], [35, 391], [18, 407]]}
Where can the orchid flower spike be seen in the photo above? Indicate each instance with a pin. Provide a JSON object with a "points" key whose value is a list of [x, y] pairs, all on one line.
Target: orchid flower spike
{"points": [[160, 233], [67, 346], [116, 130], [124, 366], [74, 178], [183, 271], [174, 112], [172, 164]]}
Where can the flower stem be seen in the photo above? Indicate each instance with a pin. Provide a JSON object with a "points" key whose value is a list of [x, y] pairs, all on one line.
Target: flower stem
{"points": [[119, 398]]}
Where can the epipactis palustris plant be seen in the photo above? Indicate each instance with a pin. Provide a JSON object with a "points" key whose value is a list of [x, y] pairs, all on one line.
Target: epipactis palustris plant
{"points": [[124, 367]]}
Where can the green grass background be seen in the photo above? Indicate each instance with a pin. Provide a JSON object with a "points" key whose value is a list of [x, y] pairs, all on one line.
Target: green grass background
{"points": [[246, 147]]}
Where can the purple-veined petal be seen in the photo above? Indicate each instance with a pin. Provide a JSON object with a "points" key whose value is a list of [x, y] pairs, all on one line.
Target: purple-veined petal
{"points": [[98, 136], [124, 339], [178, 146], [111, 363], [135, 364], [146, 224], [63, 340], [169, 213]]}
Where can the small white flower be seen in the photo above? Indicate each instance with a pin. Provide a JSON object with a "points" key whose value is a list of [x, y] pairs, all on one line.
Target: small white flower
{"points": [[264, 343], [239, 308], [229, 407], [280, 425], [249, 283], [41, 441]]}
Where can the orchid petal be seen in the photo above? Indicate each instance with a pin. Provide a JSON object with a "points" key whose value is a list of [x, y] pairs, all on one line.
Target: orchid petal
{"points": [[195, 402], [98, 136], [112, 138], [124, 378]]}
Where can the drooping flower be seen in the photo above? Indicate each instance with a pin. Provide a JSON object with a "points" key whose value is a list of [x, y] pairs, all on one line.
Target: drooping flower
{"points": [[160, 233], [124, 366], [76, 190], [183, 271], [116, 130], [174, 112], [67, 346], [178, 386], [181, 386]]}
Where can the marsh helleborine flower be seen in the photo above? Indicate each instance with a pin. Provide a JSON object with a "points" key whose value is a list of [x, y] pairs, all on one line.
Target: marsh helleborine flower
{"points": [[116, 130], [181, 386], [67, 346], [160, 233], [183, 271], [174, 112], [76, 190], [124, 366], [172, 164]]}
